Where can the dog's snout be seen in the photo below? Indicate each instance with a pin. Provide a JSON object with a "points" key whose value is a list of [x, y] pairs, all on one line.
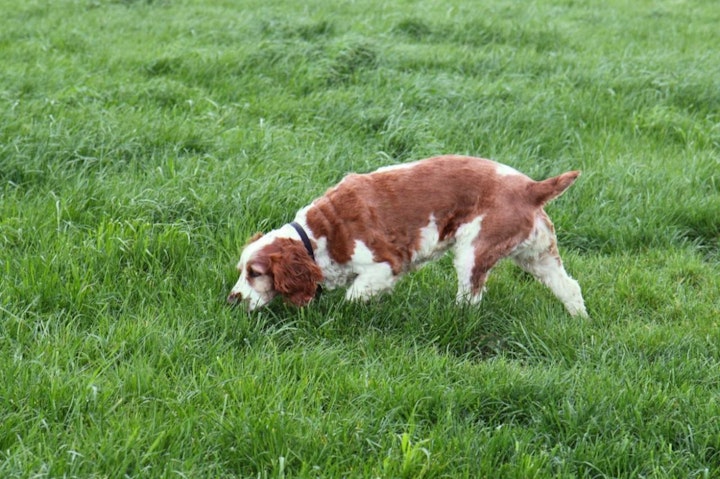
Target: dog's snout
{"points": [[234, 297]]}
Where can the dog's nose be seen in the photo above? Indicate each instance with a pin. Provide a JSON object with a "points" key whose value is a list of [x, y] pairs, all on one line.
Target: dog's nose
{"points": [[234, 297]]}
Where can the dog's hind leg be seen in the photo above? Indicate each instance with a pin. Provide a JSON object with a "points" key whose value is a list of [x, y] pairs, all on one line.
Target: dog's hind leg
{"points": [[538, 255]]}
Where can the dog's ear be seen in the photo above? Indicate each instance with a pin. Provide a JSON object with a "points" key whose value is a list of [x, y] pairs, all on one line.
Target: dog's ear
{"points": [[295, 274]]}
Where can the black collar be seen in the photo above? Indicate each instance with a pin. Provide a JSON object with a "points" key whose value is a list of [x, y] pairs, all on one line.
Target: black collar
{"points": [[308, 246], [304, 238]]}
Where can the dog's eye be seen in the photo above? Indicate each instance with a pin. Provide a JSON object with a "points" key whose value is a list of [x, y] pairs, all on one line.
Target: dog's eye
{"points": [[253, 274]]}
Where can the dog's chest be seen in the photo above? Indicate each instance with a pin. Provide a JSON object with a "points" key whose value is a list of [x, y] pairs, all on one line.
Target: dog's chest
{"points": [[334, 274]]}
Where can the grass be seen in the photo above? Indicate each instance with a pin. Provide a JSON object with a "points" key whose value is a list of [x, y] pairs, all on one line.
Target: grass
{"points": [[141, 143]]}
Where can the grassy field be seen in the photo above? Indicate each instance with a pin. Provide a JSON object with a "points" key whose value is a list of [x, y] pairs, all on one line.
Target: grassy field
{"points": [[141, 143]]}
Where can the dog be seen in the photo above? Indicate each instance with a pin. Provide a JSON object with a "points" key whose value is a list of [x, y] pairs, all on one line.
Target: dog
{"points": [[370, 229]]}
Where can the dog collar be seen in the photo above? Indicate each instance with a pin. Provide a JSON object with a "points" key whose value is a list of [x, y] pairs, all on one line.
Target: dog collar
{"points": [[308, 246], [304, 237]]}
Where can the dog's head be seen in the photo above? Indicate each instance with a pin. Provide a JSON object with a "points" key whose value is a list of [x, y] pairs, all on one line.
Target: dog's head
{"points": [[270, 266]]}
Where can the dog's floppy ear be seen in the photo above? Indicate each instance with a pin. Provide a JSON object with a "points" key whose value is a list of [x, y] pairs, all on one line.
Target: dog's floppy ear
{"points": [[295, 274]]}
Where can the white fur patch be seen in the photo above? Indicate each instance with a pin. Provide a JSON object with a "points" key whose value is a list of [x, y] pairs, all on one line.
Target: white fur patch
{"points": [[334, 274], [400, 166], [362, 255], [371, 277], [430, 245], [537, 256], [465, 258], [505, 170], [242, 287]]}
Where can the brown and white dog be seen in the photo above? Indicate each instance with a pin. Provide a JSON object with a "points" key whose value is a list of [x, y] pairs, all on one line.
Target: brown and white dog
{"points": [[371, 228]]}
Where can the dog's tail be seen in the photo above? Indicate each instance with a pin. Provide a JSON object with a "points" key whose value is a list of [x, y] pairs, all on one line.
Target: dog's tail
{"points": [[540, 192]]}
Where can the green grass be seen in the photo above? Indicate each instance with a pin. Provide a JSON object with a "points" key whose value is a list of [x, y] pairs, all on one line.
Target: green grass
{"points": [[141, 143]]}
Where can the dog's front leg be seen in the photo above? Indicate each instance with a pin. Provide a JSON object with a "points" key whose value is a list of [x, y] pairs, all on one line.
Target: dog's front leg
{"points": [[371, 280]]}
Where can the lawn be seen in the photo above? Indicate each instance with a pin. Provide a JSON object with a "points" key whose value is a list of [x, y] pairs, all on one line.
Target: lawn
{"points": [[142, 143]]}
